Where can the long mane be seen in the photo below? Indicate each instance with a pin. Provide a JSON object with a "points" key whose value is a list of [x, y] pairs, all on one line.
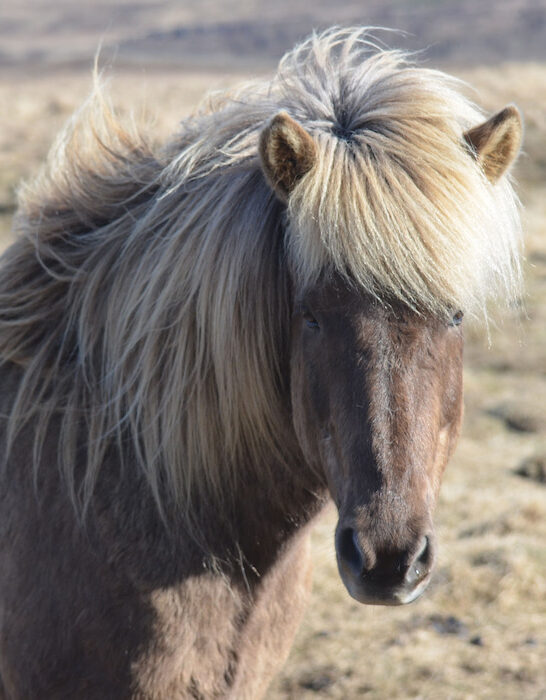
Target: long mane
{"points": [[147, 297]]}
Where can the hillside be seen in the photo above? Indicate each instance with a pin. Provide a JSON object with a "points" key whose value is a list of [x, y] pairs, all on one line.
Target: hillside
{"points": [[233, 33]]}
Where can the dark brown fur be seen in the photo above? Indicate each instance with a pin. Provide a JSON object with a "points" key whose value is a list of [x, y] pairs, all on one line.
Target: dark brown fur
{"points": [[378, 399], [124, 607]]}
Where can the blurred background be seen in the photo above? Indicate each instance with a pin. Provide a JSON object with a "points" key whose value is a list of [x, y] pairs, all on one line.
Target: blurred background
{"points": [[480, 630]]}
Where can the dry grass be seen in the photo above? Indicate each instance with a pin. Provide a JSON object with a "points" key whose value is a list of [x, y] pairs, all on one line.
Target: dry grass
{"points": [[480, 631]]}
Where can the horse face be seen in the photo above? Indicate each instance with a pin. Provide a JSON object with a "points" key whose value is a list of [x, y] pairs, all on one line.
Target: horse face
{"points": [[377, 400]]}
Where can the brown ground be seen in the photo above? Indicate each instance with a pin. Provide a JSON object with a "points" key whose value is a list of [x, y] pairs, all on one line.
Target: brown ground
{"points": [[480, 630]]}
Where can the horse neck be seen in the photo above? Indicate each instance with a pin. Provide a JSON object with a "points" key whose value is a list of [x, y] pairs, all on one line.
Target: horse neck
{"points": [[268, 509]]}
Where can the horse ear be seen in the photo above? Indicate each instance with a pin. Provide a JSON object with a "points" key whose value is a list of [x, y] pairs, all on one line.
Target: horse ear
{"points": [[287, 152], [496, 142]]}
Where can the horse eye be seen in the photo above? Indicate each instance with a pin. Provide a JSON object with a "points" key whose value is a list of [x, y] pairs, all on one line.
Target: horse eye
{"points": [[310, 320], [457, 319]]}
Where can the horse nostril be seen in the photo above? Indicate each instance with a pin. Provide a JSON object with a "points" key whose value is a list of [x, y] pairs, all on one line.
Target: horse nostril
{"points": [[421, 562], [349, 551]]}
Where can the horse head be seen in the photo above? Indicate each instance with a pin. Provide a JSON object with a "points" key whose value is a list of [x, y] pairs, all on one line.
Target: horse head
{"points": [[376, 389]]}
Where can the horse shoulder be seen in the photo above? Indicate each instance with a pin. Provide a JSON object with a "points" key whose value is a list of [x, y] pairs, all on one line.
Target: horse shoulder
{"points": [[272, 625]]}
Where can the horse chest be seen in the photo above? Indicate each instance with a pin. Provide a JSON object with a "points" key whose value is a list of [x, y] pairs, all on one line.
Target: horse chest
{"points": [[211, 640]]}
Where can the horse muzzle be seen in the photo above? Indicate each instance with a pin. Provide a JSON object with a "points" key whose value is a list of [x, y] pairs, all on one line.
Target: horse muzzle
{"points": [[381, 576]]}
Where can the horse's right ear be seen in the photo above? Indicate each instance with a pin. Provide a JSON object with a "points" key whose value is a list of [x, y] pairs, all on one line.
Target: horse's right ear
{"points": [[287, 152], [496, 142]]}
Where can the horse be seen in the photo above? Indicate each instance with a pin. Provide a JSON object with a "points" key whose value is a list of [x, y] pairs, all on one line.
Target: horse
{"points": [[205, 341]]}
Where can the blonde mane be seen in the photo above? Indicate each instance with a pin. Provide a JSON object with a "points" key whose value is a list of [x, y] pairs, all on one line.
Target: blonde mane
{"points": [[147, 297]]}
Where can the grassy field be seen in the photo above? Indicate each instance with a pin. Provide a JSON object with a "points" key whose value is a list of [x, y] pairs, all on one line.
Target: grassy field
{"points": [[480, 630]]}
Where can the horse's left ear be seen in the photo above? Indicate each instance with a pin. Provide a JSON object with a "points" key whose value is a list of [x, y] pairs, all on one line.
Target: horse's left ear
{"points": [[496, 142], [287, 152]]}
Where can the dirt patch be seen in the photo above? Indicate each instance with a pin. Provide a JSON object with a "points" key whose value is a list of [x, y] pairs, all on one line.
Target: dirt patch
{"points": [[533, 468]]}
